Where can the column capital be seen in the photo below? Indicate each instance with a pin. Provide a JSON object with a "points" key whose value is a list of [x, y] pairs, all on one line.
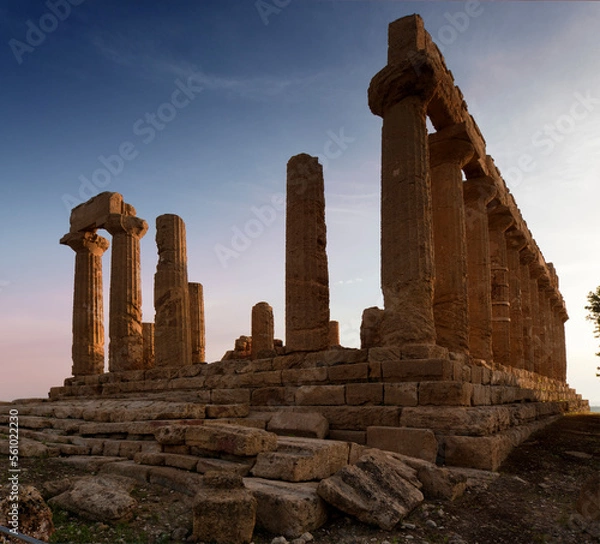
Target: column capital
{"points": [[116, 223], [86, 241], [450, 145], [480, 189], [515, 239], [500, 218]]}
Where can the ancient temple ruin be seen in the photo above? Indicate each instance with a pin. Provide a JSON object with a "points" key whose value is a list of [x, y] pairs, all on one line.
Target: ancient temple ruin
{"points": [[466, 358]]}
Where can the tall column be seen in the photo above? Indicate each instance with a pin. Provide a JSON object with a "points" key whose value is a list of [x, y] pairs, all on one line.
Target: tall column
{"points": [[528, 351], [449, 151], [477, 194], [562, 317], [549, 348], [88, 316], [172, 333], [499, 220], [515, 242], [306, 270], [148, 334], [263, 331], [537, 336], [198, 331], [126, 348]]}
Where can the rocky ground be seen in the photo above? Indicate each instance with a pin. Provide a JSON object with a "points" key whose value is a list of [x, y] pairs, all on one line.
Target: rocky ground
{"points": [[532, 501]]}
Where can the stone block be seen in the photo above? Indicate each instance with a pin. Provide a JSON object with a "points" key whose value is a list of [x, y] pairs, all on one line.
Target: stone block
{"points": [[336, 357], [288, 509], [360, 394], [301, 460], [171, 434], [177, 449], [154, 459], [401, 394], [129, 448], [349, 373], [91, 214], [417, 370], [255, 423], [481, 395], [462, 371], [445, 393], [184, 462], [357, 437], [486, 376], [381, 355], [111, 448], [175, 479], [128, 469], [216, 411], [320, 395], [304, 424], [273, 396], [207, 464], [233, 439], [196, 382], [259, 379], [358, 418], [476, 374], [420, 443], [230, 396], [424, 351], [304, 376]]}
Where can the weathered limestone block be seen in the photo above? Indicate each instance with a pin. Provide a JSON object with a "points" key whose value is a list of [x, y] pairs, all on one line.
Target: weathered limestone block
{"points": [[349, 373], [413, 442], [224, 510], [273, 396], [32, 516], [197, 327], [401, 394], [306, 269], [307, 424], [233, 439], [445, 393], [148, 336], [288, 509], [263, 331], [227, 410], [172, 336], [320, 395], [374, 490], [91, 214], [88, 314], [417, 370], [301, 460], [208, 464], [363, 394]]}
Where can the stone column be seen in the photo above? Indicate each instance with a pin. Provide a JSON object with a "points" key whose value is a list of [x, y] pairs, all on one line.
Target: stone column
{"points": [[477, 193], [562, 318], [499, 220], [197, 327], [126, 348], [148, 334], [172, 334], [334, 334], [88, 316], [515, 242], [528, 354], [306, 270], [549, 296], [449, 151], [263, 331], [537, 320]]}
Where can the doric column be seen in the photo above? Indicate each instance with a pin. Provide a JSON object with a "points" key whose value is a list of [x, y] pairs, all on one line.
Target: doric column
{"points": [[306, 270], [545, 329], [537, 335], [88, 316], [526, 256], [172, 334], [515, 242], [198, 330], [148, 334], [334, 333], [499, 220], [450, 149], [263, 331], [477, 193], [126, 348], [562, 317]]}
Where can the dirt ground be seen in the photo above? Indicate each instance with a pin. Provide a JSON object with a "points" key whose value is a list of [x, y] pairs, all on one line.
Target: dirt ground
{"points": [[533, 501]]}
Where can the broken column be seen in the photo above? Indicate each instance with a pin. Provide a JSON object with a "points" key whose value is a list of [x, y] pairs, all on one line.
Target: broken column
{"points": [[148, 334], [334, 333], [450, 149], [400, 96], [478, 192], [198, 334], [172, 333], [126, 348], [306, 270], [88, 316], [263, 331]]}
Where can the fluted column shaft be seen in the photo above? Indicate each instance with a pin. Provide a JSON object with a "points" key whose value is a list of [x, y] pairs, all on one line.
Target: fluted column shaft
{"points": [[263, 331], [526, 305], [126, 348], [172, 334], [148, 334], [477, 193], [515, 242], [198, 329], [537, 321], [449, 151], [88, 315], [306, 269]]}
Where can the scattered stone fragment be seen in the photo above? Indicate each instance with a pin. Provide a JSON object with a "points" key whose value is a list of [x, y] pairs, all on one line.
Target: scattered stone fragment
{"points": [[33, 516], [307, 424], [233, 439]]}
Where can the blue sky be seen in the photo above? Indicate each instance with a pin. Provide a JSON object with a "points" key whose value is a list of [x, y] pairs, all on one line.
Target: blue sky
{"points": [[102, 81]]}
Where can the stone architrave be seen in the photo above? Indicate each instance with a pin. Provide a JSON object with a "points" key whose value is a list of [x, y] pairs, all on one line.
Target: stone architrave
{"points": [[198, 329], [88, 314], [172, 332], [499, 219], [478, 192], [148, 334], [126, 348], [515, 242], [263, 331], [450, 149], [334, 333], [306, 269]]}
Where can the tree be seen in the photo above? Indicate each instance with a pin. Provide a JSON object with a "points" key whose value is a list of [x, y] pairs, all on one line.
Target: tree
{"points": [[594, 315]]}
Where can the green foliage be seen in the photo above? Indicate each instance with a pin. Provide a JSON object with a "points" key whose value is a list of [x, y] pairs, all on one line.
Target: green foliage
{"points": [[593, 308]]}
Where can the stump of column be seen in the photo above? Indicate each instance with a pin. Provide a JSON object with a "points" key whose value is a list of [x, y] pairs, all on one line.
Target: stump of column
{"points": [[197, 327], [477, 193], [400, 96], [148, 334], [172, 333], [334, 334], [306, 270], [515, 242], [263, 331], [88, 316], [126, 348], [450, 149]]}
